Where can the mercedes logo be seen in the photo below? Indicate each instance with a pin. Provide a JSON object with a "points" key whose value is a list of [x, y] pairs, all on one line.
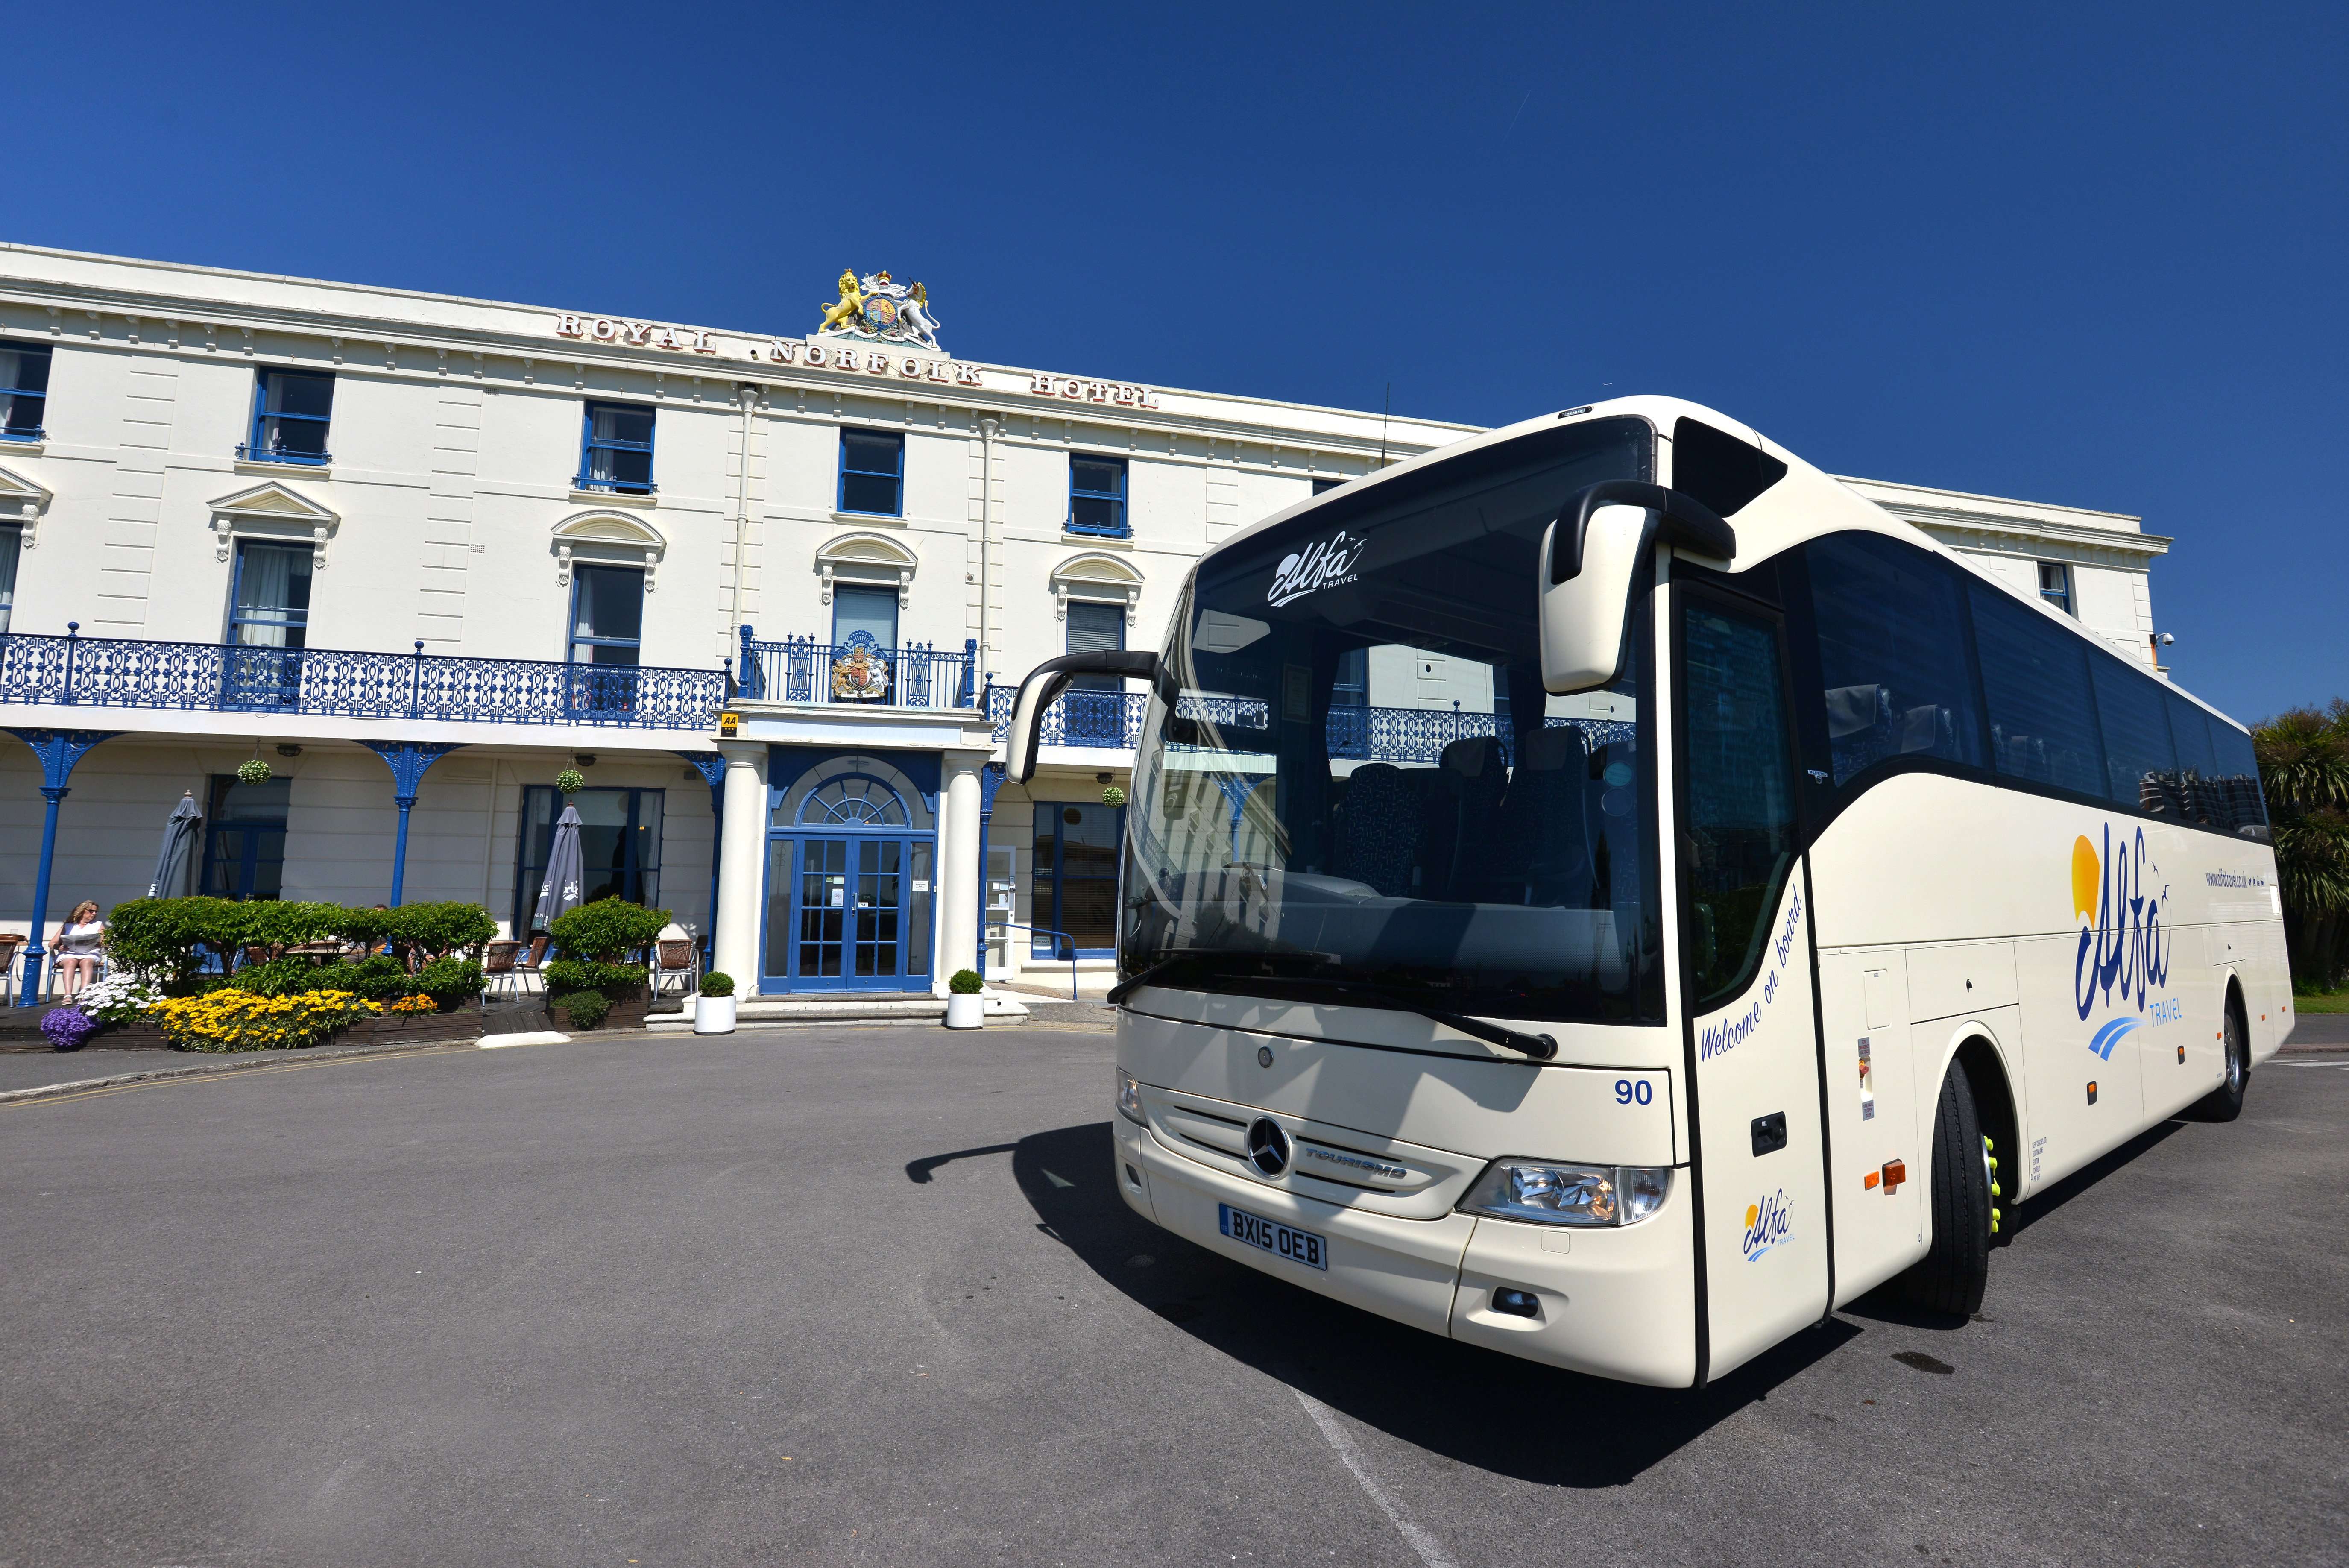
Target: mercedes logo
{"points": [[1268, 1146]]}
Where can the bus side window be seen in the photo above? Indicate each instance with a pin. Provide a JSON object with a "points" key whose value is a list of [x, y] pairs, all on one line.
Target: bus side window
{"points": [[1741, 795], [1892, 661], [2042, 720]]}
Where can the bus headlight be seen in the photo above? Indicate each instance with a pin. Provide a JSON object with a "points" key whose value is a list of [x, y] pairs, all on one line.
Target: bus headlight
{"points": [[1550, 1194], [1129, 1098]]}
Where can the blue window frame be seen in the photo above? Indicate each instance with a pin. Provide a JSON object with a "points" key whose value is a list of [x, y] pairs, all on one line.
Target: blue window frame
{"points": [[24, 389], [1097, 496], [873, 472], [245, 838], [619, 846], [270, 607], [616, 449], [607, 614], [1076, 877], [291, 410], [11, 541], [2056, 584]]}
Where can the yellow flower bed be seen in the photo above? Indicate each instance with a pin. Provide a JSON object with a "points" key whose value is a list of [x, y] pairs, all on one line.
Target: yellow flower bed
{"points": [[412, 1004], [229, 1020]]}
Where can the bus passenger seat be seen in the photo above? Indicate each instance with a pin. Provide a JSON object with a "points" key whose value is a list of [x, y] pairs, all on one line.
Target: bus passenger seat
{"points": [[1541, 854], [1379, 829], [1474, 779]]}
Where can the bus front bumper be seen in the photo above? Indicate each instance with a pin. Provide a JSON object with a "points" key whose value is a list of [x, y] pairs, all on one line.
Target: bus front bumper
{"points": [[1616, 1303]]}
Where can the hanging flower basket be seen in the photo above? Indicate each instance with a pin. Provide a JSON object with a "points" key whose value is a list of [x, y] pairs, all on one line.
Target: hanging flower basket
{"points": [[1112, 797], [254, 771], [571, 781]]}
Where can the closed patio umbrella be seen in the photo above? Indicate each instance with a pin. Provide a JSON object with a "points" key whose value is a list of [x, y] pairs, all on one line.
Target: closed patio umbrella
{"points": [[565, 873], [179, 837]]}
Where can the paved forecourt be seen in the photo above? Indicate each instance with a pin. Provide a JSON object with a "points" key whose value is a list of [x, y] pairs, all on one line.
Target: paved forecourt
{"points": [[865, 1296]]}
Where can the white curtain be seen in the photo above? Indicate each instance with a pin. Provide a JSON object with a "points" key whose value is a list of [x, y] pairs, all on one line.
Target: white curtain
{"points": [[264, 587], [9, 540]]}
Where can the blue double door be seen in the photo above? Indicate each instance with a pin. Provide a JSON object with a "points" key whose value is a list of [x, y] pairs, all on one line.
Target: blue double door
{"points": [[848, 912]]}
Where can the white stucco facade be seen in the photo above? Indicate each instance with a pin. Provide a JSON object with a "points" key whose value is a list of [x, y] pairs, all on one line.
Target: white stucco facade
{"points": [[445, 521]]}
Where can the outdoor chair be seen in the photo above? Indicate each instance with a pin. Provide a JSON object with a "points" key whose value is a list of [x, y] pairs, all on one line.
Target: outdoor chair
{"points": [[499, 977], [677, 967], [11, 945], [526, 967]]}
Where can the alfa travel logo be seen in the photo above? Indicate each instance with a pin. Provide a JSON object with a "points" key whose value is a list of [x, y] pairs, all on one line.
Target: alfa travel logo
{"points": [[1767, 1225], [2122, 905]]}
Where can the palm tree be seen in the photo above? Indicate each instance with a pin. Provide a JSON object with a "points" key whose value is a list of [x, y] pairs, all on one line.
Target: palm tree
{"points": [[2305, 770]]}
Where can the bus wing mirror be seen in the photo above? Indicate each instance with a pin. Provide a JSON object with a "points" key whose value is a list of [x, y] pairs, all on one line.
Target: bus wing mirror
{"points": [[1046, 682], [1590, 556]]}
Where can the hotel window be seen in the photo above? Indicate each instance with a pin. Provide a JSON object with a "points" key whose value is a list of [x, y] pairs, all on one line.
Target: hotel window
{"points": [[290, 413], [245, 838], [2056, 584], [873, 472], [1324, 486], [619, 847], [1096, 629], [616, 449], [607, 614], [1076, 878], [271, 605], [10, 541], [1097, 496], [24, 389]]}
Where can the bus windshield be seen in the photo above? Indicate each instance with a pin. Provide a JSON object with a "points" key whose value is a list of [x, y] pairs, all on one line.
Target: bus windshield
{"points": [[1360, 790]]}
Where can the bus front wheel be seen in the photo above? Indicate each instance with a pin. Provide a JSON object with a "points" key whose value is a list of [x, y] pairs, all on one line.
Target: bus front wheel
{"points": [[1954, 1272]]}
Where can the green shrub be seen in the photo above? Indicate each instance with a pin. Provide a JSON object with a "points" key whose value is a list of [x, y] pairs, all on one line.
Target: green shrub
{"points": [[374, 977], [966, 982], [584, 974], [606, 930], [449, 981], [717, 983], [164, 940], [584, 1009]]}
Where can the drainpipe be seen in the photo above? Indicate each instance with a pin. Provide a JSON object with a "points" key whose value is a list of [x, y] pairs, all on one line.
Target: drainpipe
{"points": [[985, 661], [986, 544], [746, 394]]}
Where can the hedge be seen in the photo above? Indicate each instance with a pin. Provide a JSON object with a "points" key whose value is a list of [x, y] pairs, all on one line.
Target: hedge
{"points": [[165, 941]]}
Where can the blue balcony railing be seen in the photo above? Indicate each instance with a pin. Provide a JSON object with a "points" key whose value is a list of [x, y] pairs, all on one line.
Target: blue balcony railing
{"points": [[1114, 719], [123, 672], [861, 671]]}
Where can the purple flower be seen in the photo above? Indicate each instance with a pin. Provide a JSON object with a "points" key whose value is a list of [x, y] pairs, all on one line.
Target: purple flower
{"points": [[68, 1028]]}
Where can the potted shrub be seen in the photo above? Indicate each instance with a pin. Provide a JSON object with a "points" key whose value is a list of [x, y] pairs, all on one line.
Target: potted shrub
{"points": [[713, 1009], [582, 1009], [595, 941], [965, 1007]]}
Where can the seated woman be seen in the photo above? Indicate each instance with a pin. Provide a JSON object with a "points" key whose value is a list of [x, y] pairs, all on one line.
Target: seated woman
{"points": [[77, 948]]}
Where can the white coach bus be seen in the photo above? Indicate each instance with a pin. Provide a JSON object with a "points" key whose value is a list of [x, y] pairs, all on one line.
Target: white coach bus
{"points": [[1800, 899]]}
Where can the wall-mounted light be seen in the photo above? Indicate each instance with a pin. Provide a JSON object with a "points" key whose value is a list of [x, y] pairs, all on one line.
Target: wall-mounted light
{"points": [[289, 750]]}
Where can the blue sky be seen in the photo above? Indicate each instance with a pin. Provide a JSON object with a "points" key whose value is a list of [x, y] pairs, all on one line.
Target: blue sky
{"points": [[2093, 257]]}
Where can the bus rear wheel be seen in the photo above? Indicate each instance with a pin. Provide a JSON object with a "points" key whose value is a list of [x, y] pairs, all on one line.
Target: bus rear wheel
{"points": [[2225, 1102], [1955, 1272]]}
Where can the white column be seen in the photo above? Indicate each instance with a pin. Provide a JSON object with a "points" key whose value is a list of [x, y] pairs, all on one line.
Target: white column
{"points": [[958, 869], [742, 864]]}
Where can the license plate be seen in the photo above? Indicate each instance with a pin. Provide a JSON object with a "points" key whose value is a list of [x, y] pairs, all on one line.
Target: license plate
{"points": [[1271, 1236]]}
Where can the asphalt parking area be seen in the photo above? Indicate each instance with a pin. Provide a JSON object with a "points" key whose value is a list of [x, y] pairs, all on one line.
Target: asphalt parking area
{"points": [[866, 1297]]}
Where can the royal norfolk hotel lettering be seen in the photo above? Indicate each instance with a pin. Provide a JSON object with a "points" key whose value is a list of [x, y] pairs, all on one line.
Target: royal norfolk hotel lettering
{"points": [[841, 356]]}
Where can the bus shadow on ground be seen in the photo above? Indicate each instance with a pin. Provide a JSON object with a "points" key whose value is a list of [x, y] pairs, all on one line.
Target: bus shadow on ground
{"points": [[1472, 1405]]}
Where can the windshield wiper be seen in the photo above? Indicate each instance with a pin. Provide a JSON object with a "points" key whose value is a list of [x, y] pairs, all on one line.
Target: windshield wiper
{"points": [[1541, 1047]]}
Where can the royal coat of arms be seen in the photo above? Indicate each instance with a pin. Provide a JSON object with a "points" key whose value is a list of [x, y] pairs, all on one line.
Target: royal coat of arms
{"points": [[860, 675], [879, 308]]}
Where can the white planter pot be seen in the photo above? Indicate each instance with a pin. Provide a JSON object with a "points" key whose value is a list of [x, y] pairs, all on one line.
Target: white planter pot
{"points": [[966, 1012], [713, 1014]]}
